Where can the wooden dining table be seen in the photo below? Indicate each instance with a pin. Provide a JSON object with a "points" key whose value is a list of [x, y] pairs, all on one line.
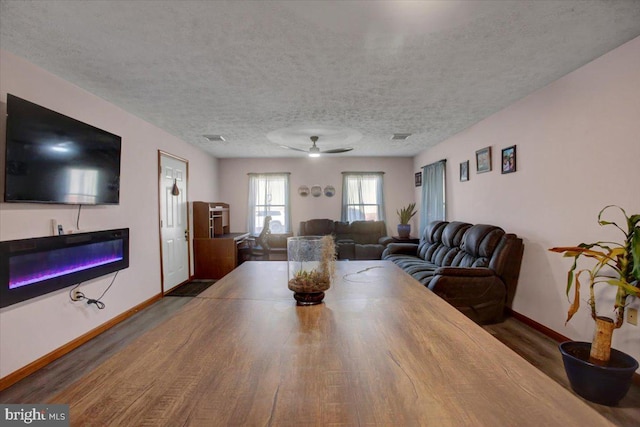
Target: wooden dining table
{"points": [[380, 350]]}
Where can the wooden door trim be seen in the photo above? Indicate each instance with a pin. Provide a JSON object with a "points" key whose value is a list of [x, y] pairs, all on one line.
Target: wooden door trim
{"points": [[161, 154]]}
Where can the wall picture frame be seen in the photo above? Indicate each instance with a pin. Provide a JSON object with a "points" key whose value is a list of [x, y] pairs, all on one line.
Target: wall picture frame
{"points": [[303, 191], [464, 171], [329, 191], [509, 159], [483, 160], [316, 191], [418, 179]]}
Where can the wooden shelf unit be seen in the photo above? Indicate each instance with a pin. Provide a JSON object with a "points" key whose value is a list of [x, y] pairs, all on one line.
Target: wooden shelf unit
{"points": [[215, 248], [210, 220]]}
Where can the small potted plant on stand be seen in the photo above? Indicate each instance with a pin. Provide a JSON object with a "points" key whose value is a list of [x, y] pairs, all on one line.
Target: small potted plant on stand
{"points": [[405, 215], [595, 370]]}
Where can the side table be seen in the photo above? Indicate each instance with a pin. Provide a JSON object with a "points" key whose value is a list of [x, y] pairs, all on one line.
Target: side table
{"points": [[410, 239]]}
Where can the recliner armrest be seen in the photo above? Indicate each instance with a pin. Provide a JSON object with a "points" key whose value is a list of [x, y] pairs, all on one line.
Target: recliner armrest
{"points": [[401, 248], [385, 240]]}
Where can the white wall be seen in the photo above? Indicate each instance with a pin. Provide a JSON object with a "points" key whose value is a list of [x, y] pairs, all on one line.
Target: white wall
{"points": [[33, 328], [578, 150], [234, 185]]}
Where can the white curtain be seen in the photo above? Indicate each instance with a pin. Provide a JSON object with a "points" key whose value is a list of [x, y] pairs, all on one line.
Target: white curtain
{"points": [[362, 196], [269, 195], [433, 194]]}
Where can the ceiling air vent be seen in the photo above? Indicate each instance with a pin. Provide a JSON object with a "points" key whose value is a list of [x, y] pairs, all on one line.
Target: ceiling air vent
{"points": [[400, 136], [214, 138]]}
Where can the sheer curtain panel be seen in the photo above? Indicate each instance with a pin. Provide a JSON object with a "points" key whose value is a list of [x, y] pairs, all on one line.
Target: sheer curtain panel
{"points": [[433, 194], [362, 196], [269, 195]]}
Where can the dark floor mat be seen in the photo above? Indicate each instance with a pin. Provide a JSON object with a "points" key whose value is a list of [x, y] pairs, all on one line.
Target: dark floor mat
{"points": [[191, 289]]}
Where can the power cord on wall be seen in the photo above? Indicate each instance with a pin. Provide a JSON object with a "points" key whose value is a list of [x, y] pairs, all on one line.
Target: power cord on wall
{"points": [[76, 295], [78, 219]]}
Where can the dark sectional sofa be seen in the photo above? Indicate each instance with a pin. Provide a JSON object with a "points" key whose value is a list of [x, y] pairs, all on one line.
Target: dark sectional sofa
{"points": [[358, 240], [473, 267]]}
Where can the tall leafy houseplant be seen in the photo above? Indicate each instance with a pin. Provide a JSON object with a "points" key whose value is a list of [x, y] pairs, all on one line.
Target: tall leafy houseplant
{"points": [[405, 214], [616, 264]]}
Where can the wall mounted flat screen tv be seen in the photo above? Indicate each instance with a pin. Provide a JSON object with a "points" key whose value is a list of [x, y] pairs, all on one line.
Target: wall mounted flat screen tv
{"points": [[52, 158]]}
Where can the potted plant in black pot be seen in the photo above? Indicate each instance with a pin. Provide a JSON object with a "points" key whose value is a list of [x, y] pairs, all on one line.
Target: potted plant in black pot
{"points": [[595, 370], [405, 214]]}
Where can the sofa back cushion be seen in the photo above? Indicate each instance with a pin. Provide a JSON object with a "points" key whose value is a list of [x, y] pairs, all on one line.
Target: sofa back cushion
{"points": [[441, 242], [357, 232], [478, 245], [459, 244], [445, 254], [367, 232], [342, 231], [431, 238], [317, 227]]}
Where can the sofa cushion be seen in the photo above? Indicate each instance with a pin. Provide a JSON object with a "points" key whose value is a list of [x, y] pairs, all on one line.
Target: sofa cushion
{"points": [[368, 251], [356, 240], [431, 238], [319, 227], [342, 228], [446, 252], [478, 245], [453, 233], [346, 249], [367, 232]]}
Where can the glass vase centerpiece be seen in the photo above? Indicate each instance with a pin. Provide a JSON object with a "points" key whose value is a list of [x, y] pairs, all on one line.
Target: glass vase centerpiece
{"points": [[311, 264]]}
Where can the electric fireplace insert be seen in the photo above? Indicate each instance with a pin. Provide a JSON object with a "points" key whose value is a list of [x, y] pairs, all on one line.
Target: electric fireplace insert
{"points": [[33, 267]]}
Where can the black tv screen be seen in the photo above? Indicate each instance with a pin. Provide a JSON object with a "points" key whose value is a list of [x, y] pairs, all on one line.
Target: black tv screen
{"points": [[52, 158]]}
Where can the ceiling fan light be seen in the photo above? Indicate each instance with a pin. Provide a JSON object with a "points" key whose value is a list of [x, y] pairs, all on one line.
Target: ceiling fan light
{"points": [[314, 151]]}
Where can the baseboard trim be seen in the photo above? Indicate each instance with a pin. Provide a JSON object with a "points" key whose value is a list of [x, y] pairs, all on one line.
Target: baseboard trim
{"points": [[538, 326], [32, 367], [551, 333]]}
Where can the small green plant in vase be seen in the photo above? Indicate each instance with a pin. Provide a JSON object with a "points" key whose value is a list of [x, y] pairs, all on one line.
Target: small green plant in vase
{"points": [[405, 214], [616, 264]]}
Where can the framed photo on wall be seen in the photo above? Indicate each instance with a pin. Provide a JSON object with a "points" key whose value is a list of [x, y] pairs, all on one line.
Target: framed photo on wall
{"points": [[483, 160], [418, 179], [464, 171], [509, 159]]}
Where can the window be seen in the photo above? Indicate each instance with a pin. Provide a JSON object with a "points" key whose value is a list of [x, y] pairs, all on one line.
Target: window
{"points": [[269, 195], [433, 194], [362, 197]]}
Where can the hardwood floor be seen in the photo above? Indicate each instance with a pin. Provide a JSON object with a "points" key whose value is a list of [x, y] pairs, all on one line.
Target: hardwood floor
{"points": [[40, 386], [542, 352], [538, 349]]}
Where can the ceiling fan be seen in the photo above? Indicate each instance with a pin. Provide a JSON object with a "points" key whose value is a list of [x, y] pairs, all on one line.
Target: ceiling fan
{"points": [[314, 151]]}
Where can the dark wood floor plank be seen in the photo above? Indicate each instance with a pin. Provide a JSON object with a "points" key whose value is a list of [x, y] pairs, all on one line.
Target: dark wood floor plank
{"points": [[48, 381]]}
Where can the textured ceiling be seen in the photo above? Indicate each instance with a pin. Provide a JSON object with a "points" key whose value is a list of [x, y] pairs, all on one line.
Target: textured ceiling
{"points": [[247, 69]]}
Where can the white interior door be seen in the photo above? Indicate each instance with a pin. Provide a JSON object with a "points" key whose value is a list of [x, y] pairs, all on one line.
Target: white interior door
{"points": [[173, 222]]}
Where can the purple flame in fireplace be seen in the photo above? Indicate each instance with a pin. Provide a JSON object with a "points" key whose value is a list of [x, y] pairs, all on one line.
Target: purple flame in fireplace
{"points": [[37, 267]]}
